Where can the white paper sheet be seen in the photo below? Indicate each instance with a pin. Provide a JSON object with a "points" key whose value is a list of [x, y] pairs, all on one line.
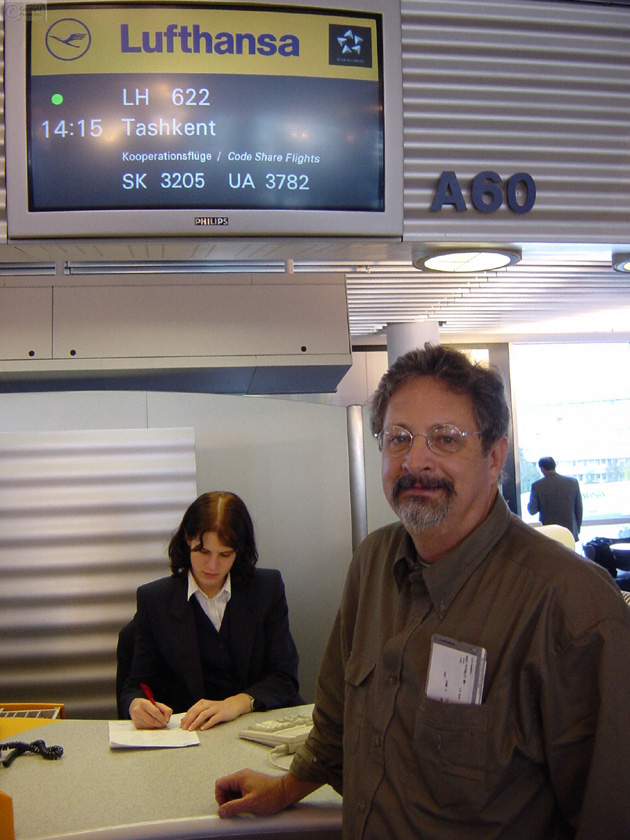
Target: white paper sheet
{"points": [[124, 735]]}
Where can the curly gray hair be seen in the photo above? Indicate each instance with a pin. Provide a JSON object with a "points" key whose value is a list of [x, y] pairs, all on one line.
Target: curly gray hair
{"points": [[484, 385]]}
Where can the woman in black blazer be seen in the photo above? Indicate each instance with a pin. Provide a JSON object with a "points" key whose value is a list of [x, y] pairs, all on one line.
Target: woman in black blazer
{"points": [[213, 639]]}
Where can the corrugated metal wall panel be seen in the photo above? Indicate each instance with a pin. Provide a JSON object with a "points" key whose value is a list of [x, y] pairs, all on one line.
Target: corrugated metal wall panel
{"points": [[517, 86], [86, 518], [3, 192]]}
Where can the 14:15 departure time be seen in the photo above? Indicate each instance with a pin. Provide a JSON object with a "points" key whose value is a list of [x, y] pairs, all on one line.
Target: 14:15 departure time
{"points": [[80, 128]]}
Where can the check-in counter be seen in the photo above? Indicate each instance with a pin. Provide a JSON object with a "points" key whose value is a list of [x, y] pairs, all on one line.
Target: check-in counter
{"points": [[96, 793]]}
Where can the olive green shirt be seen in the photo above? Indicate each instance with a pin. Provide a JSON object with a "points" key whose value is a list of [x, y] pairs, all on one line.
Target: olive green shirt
{"points": [[547, 752]]}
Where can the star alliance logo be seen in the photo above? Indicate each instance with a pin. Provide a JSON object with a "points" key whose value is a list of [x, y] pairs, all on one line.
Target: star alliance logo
{"points": [[350, 45]]}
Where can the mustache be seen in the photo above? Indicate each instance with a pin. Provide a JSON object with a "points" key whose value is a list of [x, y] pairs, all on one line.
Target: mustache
{"points": [[407, 481]]}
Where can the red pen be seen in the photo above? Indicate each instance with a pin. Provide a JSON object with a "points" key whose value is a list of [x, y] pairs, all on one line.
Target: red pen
{"points": [[148, 694]]}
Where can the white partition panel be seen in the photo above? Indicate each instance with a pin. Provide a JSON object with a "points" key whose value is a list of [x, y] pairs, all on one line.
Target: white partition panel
{"points": [[288, 460], [86, 517]]}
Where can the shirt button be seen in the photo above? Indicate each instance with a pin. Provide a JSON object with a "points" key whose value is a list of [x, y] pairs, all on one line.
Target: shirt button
{"points": [[392, 679], [360, 806], [377, 741]]}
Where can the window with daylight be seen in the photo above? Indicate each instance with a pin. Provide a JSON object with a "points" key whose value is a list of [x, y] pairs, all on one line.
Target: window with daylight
{"points": [[572, 401]]}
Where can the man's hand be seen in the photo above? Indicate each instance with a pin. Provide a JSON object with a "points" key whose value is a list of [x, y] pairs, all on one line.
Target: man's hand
{"points": [[249, 792], [148, 715], [207, 713]]}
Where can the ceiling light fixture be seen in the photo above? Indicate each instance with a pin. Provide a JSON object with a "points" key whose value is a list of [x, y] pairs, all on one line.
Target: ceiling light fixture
{"points": [[621, 262], [469, 260]]}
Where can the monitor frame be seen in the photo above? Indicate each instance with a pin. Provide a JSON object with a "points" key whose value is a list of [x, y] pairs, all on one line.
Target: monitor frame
{"points": [[25, 224]]}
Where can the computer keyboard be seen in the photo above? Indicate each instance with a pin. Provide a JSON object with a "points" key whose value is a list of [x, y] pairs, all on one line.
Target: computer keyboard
{"points": [[289, 730]]}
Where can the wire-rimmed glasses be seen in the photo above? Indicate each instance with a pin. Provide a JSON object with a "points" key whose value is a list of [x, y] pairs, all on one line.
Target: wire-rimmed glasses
{"points": [[443, 439]]}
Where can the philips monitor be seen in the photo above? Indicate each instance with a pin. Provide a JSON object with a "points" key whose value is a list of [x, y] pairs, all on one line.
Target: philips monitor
{"points": [[138, 119]]}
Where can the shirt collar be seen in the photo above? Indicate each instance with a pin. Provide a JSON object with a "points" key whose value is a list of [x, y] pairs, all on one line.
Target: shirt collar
{"points": [[445, 577], [408, 562], [224, 594]]}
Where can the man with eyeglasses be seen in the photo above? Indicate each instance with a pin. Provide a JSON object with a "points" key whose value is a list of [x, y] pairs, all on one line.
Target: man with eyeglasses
{"points": [[477, 677]]}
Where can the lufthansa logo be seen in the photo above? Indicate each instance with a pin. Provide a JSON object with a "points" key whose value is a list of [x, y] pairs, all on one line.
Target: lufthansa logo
{"points": [[68, 39]]}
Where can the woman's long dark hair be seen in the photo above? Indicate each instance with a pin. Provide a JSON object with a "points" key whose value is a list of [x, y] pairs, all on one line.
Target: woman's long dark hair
{"points": [[225, 514]]}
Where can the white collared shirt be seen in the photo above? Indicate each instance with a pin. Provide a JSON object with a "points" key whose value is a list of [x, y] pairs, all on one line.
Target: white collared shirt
{"points": [[214, 608]]}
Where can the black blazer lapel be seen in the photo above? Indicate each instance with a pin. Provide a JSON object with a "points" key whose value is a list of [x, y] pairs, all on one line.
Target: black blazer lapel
{"points": [[243, 622], [184, 634]]}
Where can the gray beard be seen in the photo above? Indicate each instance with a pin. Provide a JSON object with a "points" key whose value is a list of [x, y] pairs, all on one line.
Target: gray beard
{"points": [[420, 514]]}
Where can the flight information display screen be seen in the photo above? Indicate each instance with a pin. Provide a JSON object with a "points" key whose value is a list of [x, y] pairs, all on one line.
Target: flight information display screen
{"points": [[221, 106]]}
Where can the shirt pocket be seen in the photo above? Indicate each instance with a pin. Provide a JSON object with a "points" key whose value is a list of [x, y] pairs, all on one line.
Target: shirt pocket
{"points": [[451, 743], [357, 677]]}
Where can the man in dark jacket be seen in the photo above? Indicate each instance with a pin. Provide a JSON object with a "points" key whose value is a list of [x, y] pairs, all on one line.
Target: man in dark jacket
{"points": [[557, 498]]}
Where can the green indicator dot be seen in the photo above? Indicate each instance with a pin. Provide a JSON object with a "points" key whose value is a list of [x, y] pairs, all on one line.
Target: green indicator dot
{"points": [[56, 99]]}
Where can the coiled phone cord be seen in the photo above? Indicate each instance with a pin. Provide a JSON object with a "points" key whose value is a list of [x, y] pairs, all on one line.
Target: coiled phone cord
{"points": [[21, 747]]}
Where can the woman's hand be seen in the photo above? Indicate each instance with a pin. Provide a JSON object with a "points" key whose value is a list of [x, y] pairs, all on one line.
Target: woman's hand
{"points": [[148, 715], [207, 713]]}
